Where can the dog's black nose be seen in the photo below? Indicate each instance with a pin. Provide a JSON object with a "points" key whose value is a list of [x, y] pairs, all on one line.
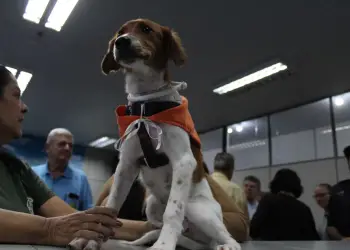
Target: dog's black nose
{"points": [[122, 43]]}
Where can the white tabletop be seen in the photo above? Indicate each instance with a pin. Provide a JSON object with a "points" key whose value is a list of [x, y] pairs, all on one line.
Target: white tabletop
{"points": [[253, 245]]}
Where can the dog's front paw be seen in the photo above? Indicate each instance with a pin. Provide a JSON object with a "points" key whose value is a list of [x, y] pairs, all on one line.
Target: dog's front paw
{"points": [[83, 244], [232, 246]]}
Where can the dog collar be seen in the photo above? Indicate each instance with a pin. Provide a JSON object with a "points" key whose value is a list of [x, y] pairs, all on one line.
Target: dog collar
{"points": [[149, 108]]}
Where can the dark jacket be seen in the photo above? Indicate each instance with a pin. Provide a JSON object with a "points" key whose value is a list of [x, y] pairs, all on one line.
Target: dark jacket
{"points": [[281, 217]]}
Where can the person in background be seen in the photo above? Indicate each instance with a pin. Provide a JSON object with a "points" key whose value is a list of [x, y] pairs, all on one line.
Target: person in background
{"points": [[252, 187], [280, 216], [224, 166], [322, 195], [338, 227], [68, 183], [29, 212]]}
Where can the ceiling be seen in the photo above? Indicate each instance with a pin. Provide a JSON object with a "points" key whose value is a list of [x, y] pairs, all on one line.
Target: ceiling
{"points": [[223, 39]]}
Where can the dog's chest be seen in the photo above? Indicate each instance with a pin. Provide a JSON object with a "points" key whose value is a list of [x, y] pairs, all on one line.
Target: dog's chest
{"points": [[157, 180]]}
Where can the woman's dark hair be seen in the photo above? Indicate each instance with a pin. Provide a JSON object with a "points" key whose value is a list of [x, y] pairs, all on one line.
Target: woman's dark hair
{"points": [[286, 180], [5, 75]]}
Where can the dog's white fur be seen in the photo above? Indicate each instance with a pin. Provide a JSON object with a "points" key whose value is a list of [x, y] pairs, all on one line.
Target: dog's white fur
{"points": [[186, 212]]}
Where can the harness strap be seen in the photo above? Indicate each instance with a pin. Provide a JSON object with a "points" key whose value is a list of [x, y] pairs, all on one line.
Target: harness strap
{"points": [[151, 157]]}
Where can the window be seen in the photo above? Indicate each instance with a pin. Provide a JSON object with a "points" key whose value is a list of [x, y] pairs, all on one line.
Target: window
{"points": [[302, 133], [341, 107], [211, 145], [248, 142]]}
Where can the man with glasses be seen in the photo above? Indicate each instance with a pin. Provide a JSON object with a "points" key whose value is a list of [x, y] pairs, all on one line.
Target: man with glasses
{"points": [[322, 195]]}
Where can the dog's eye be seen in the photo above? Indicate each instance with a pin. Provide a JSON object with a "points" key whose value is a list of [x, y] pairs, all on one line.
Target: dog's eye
{"points": [[146, 29]]}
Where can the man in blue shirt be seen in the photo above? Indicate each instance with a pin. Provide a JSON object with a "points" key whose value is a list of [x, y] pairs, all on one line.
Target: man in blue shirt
{"points": [[68, 183]]}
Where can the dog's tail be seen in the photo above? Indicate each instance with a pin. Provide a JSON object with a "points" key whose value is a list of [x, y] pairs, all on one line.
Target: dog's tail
{"points": [[152, 236]]}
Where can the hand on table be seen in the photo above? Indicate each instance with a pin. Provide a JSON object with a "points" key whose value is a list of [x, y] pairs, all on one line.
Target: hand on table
{"points": [[97, 223]]}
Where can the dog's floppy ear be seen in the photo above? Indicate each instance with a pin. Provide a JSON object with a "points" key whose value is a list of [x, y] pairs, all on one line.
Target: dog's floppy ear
{"points": [[108, 62], [174, 48]]}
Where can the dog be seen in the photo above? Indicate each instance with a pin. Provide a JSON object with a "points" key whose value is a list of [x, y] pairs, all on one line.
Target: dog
{"points": [[160, 145]]}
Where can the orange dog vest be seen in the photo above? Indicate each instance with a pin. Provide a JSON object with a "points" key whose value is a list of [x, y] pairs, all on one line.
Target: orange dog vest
{"points": [[178, 116]]}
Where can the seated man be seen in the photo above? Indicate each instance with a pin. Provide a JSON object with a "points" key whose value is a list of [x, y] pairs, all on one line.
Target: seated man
{"points": [[29, 212], [235, 220]]}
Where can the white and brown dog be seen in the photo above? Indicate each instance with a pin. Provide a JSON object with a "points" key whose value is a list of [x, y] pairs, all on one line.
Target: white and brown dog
{"points": [[181, 202]]}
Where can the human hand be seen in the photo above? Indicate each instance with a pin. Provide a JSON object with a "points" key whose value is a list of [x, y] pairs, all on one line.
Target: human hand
{"points": [[97, 223]]}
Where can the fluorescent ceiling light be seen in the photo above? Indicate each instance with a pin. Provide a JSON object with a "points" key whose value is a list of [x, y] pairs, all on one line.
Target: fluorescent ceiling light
{"points": [[229, 130], [60, 14], [35, 10], [239, 128], [248, 79], [23, 80], [12, 70], [327, 131], [338, 101], [246, 145], [102, 142]]}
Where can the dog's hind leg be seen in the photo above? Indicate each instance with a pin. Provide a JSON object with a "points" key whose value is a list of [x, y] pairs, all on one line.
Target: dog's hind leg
{"points": [[206, 215]]}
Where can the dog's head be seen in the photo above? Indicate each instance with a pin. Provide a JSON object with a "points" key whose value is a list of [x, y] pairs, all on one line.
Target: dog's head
{"points": [[140, 45]]}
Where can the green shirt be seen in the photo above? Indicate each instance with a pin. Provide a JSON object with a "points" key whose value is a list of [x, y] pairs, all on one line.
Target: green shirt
{"points": [[21, 190]]}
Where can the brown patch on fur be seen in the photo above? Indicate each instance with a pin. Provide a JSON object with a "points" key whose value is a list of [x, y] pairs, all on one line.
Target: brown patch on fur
{"points": [[199, 172]]}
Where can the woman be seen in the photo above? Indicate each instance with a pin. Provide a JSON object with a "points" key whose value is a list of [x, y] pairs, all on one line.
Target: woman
{"points": [[280, 216], [29, 212], [235, 220]]}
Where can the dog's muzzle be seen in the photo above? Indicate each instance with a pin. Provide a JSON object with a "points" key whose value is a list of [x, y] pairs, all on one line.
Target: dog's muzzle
{"points": [[125, 50]]}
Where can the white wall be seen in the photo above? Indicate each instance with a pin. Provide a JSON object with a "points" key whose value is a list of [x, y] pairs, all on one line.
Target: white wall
{"points": [[250, 154], [211, 145], [98, 166], [308, 145]]}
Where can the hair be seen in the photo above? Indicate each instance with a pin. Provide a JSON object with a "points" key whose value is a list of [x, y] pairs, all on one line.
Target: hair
{"points": [[57, 131], [253, 179], [286, 180], [347, 152], [326, 186], [5, 75], [224, 162]]}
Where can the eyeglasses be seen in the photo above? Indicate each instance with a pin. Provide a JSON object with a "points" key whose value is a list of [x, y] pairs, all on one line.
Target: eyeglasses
{"points": [[321, 195]]}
